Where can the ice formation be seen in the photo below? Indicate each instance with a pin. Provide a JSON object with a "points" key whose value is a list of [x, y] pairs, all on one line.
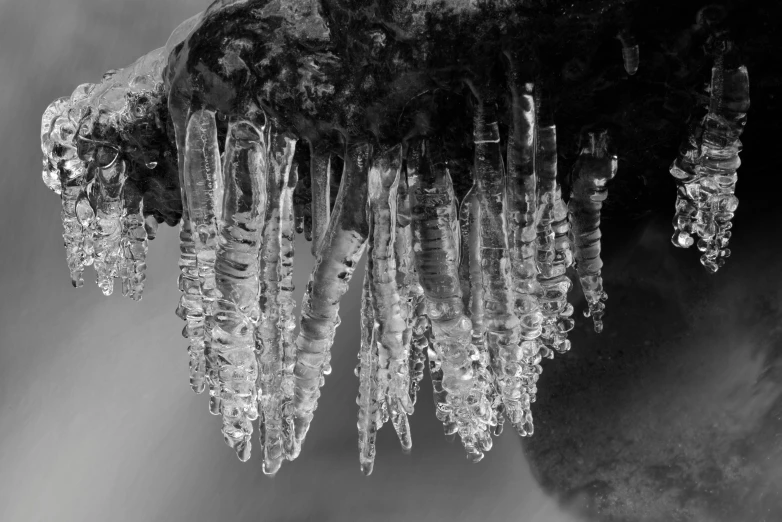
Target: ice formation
{"points": [[475, 289], [706, 169], [594, 168]]}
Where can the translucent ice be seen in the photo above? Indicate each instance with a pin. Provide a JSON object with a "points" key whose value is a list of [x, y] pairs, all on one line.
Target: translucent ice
{"points": [[706, 169], [594, 168]]}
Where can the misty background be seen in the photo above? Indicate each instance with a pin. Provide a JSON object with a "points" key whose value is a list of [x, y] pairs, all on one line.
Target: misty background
{"points": [[97, 421]]}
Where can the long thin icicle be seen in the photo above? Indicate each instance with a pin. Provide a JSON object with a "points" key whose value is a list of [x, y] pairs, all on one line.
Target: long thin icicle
{"points": [[410, 291], [273, 332], [554, 255], [134, 244], [393, 352], [466, 380], [515, 363], [236, 308], [203, 187], [371, 400], [593, 169], [339, 254], [706, 169], [191, 304]]}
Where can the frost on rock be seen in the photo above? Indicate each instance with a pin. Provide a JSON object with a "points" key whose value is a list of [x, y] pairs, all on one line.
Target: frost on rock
{"points": [[706, 169], [594, 168]]}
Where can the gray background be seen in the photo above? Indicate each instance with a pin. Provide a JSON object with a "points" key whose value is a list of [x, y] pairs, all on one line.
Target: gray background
{"points": [[97, 421]]}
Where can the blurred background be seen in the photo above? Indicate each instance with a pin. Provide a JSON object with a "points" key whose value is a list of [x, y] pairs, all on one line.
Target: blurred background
{"points": [[673, 413]]}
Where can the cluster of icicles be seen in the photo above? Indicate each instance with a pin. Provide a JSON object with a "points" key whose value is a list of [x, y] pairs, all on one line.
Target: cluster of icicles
{"points": [[706, 168], [476, 290]]}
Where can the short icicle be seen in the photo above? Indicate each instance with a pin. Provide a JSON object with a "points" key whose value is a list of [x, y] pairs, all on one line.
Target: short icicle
{"points": [[593, 169], [134, 243], [108, 221], [466, 381], [339, 254], [236, 308]]}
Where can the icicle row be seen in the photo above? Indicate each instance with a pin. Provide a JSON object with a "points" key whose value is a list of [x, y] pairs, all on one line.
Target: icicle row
{"points": [[593, 169]]}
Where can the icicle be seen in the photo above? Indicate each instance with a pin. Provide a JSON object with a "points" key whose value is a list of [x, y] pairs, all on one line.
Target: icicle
{"points": [[514, 362], [466, 381], [706, 169], [410, 291], [203, 189], [236, 309], [151, 226], [393, 352], [320, 183], [629, 51], [273, 336], [133, 243], [553, 244], [65, 173], [342, 247], [593, 169], [522, 204], [108, 215], [370, 397]]}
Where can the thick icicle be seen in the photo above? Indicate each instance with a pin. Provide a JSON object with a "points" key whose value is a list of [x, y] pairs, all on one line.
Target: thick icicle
{"points": [[342, 247], [108, 219], [515, 363], [370, 397], [630, 51], [320, 185], [273, 336], [466, 381], [706, 169], [393, 353], [593, 169], [203, 195], [236, 309], [554, 254], [133, 262]]}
